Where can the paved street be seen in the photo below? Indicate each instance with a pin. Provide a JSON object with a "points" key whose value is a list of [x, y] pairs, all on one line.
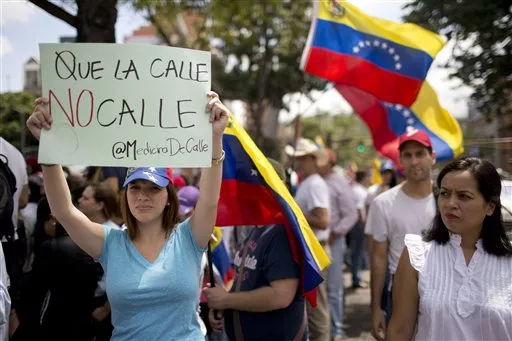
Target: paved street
{"points": [[357, 311]]}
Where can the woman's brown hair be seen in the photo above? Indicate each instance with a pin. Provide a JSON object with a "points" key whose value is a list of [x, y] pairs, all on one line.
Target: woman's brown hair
{"points": [[105, 194], [170, 215]]}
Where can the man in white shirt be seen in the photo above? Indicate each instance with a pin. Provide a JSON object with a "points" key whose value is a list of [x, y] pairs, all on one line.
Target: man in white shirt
{"points": [[407, 208], [313, 198], [357, 234]]}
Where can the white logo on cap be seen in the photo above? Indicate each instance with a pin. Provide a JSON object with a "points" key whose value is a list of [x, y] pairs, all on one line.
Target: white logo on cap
{"points": [[149, 176], [152, 169]]}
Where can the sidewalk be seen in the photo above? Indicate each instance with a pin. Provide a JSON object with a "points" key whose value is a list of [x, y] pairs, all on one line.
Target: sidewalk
{"points": [[357, 324]]}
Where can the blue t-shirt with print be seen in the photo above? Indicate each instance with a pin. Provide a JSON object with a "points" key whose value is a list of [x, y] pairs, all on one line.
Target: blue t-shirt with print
{"points": [[153, 301], [269, 258]]}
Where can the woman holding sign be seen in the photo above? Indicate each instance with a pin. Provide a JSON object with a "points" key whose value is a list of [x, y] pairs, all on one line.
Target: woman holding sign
{"points": [[152, 268]]}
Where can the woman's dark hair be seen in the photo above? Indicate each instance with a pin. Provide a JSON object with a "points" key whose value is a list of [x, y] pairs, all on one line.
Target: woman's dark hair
{"points": [[360, 176], [43, 215], [35, 192], [494, 239], [392, 182]]}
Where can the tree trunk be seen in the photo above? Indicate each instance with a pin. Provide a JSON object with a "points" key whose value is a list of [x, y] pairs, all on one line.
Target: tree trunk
{"points": [[96, 21]]}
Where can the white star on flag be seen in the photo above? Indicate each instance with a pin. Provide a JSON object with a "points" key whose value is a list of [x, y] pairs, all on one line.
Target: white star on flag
{"points": [[152, 169], [359, 47], [254, 172], [411, 130]]}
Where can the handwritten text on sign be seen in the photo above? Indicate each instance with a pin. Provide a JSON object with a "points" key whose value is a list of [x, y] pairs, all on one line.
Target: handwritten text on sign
{"points": [[126, 105]]}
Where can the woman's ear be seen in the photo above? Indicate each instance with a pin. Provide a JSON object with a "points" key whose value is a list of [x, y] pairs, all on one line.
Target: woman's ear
{"points": [[101, 205], [490, 208]]}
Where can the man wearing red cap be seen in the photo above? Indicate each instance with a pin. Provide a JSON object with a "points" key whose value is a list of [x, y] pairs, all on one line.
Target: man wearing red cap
{"points": [[406, 208]]}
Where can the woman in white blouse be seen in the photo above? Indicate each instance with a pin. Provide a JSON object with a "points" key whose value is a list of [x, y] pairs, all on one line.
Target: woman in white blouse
{"points": [[455, 283]]}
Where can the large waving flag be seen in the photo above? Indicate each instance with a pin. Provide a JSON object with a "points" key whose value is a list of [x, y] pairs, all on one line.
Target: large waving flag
{"points": [[388, 121], [253, 194], [386, 59]]}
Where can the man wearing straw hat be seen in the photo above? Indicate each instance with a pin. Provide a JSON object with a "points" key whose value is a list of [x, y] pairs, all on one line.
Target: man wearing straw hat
{"points": [[313, 198]]}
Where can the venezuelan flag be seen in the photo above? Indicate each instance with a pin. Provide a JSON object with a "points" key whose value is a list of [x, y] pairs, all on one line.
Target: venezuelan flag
{"points": [[253, 194], [220, 256], [388, 121], [386, 59]]}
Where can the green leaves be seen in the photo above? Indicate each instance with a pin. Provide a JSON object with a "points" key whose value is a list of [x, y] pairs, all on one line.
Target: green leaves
{"points": [[256, 48], [351, 139], [15, 108], [481, 31]]}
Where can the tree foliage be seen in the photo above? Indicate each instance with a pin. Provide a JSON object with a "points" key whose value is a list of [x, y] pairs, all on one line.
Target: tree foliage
{"points": [[342, 133], [14, 111], [482, 33], [256, 49], [265, 41]]}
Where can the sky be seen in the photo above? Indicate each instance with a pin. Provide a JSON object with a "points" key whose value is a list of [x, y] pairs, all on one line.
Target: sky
{"points": [[23, 26]]}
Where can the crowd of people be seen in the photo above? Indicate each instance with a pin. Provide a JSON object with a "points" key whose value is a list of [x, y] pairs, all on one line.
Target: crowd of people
{"points": [[121, 254]]}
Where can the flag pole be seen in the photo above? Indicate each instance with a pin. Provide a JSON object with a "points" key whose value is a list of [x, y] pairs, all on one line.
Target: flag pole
{"points": [[210, 265], [212, 277]]}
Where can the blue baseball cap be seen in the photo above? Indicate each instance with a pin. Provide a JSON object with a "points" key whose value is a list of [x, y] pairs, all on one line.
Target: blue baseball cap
{"points": [[387, 166], [158, 176]]}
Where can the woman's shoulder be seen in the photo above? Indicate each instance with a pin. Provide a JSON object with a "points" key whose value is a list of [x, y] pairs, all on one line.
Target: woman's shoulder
{"points": [[417, 249], [183, 233], [114, 231]]}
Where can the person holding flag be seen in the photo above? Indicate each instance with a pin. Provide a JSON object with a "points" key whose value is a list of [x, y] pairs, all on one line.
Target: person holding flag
{"points": [[265, 295], [313, 198], [152, 268]]}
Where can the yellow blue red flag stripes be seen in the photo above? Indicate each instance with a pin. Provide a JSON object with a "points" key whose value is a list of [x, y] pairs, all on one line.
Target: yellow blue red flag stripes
{"points": [[386, 59], [388, 121], [253, 194]]}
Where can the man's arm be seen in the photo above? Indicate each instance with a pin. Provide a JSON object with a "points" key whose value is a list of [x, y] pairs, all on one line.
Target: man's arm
{"points": [[361, 216], [317, 210], [318, 218], [278, 295], [378, 277], [23, 201], [348, 210]]}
